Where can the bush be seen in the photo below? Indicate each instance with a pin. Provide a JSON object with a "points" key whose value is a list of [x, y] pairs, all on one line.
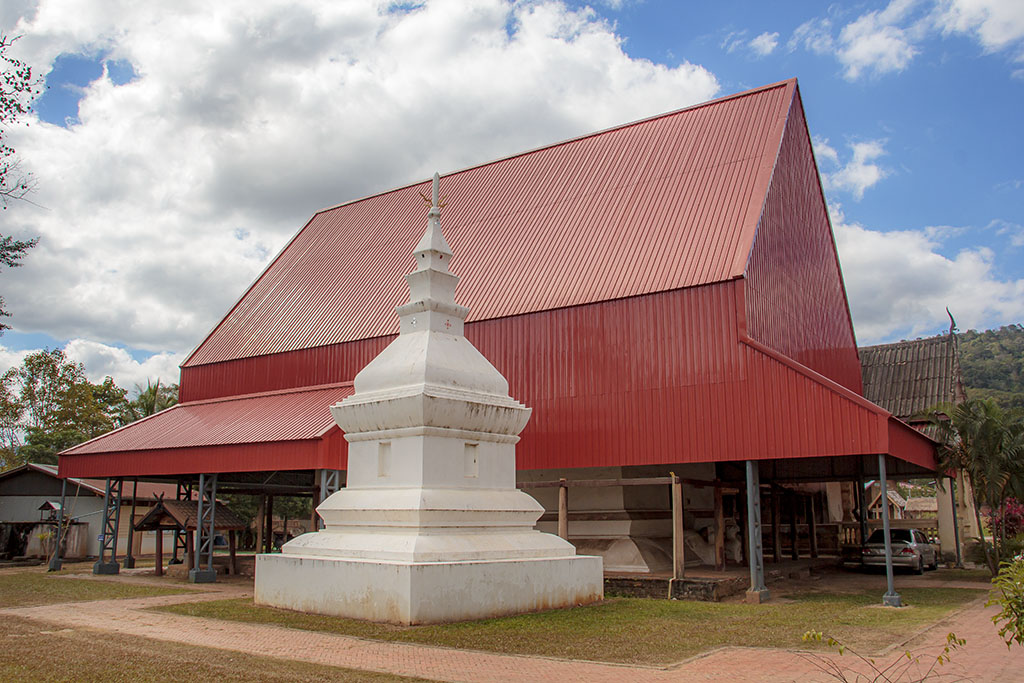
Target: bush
{"points": [[1010, 514], [1009, 594]]}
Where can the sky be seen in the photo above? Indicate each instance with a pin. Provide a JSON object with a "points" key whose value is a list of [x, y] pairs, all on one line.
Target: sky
{"points": [[178, 147]]}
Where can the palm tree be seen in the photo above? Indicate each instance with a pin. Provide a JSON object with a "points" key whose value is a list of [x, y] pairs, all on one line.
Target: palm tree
{"points": [[987, 446], [151, 400]]}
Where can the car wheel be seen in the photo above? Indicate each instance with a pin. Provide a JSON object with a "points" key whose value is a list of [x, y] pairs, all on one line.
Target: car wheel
{"points": [[920, 565]]}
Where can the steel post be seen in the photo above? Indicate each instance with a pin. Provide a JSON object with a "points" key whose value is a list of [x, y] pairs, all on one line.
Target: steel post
{"points": [[757, 592], [108, 539], [205, 531], [891, 597]]}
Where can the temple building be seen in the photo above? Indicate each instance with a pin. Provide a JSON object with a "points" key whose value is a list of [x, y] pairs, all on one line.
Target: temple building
{"points": [[665, 295]]}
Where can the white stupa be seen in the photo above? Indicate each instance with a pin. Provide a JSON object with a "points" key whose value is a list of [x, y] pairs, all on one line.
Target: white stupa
{"points": [[430, 527]]}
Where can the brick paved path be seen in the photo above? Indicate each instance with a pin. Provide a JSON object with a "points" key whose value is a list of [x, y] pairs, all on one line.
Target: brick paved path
{"points": [[986, 658]]}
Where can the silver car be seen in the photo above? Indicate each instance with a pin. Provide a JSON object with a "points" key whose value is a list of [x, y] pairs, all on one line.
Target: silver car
{"points": [[910, 549]]}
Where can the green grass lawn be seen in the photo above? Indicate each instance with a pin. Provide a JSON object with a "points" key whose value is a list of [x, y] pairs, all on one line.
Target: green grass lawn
{"points": [[982, 575], [37, 652], [638, 631], [28, 588]]}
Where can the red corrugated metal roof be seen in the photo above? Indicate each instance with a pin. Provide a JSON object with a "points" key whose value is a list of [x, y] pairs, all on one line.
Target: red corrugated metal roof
{"points": [[660, 204], [254, 419]]}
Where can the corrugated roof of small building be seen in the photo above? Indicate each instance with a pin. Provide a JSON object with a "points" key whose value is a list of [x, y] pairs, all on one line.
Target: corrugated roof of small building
{"points": [[909, 377]]}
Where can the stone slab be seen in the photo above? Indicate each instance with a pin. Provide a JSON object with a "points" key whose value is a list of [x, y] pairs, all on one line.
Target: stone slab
{"points": [[427, 592]]}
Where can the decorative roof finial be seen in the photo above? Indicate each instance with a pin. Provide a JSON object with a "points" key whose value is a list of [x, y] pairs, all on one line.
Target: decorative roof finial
{"points": [[434, 201]]}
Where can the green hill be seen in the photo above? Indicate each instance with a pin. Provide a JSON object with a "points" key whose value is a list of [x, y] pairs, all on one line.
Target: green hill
{"points": [[993, 364]]}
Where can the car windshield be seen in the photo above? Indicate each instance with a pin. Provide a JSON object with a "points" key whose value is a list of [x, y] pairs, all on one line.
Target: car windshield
{"points": [[895, 535]]}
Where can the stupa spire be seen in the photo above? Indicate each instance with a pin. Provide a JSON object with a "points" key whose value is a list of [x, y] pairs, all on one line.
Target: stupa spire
{"points": [[433, 251]]}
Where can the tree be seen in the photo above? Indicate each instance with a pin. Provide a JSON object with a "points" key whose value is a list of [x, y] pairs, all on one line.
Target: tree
{"points": [[49, 400], [18, 87], [987, 445]]}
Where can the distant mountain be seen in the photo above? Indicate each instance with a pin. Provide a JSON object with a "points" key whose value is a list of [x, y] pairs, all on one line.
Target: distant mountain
{"points": [[993, 364]]}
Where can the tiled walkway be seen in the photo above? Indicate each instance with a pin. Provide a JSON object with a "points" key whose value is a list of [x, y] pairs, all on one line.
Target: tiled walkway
{"points": [[985, 658]]}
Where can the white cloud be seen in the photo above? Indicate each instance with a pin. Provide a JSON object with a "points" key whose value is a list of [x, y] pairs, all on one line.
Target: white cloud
{"points": [[995, 24], [1014, 231], [814, 35], [887, 40], [101, 360], [899, 284], [874, 43], [764, 44], [859, 173], [165, 201], [733, 40]]}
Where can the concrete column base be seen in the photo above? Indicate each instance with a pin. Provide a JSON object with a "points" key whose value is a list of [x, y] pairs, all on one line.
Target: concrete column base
{"points": [[426, 592], [757, 597], [202, 575], [101, 567]]}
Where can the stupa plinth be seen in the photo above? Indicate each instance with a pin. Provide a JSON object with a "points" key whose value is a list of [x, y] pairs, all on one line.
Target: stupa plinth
{"points": [[430, 527]]}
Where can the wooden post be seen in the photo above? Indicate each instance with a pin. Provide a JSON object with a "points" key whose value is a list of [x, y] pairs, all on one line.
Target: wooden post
{"points": [[261, 523], [812, 527], [269, 536], [678, 549], [719, 531], [776, 525], [189, 548], [159, 552], [563, 510], [317, 498], [232, 544], [793, 509], [132, 550]]}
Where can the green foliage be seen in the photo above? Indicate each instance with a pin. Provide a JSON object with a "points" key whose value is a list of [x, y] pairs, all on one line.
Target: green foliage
{"points": [[1008, 593], [992, 363], [150, 401], [987, 445]]}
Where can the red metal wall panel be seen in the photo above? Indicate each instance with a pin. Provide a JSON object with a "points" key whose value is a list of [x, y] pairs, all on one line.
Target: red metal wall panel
{"points": [[795, 298], [664, 378]]}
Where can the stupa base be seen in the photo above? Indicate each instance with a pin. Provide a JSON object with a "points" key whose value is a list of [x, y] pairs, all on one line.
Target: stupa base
{"points": [[426, 592]]}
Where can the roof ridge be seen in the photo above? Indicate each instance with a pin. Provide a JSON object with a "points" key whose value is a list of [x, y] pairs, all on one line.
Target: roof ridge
{"points": [[566, 141]]}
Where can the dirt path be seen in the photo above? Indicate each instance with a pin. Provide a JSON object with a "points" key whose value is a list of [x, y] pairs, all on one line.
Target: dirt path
{"points": [[985, 658]]}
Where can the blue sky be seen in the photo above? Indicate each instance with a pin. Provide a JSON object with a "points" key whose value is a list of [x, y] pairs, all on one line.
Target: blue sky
{"points": [[177, 150]]}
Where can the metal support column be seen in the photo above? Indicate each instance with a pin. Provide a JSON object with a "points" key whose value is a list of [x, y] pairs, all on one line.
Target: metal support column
{"points": [[107, 564], [330, 482], [55, 561], [956, 524], [863, 510], [129, 557], [891, 597], [757, 592], [205, 530], [184, 492]]}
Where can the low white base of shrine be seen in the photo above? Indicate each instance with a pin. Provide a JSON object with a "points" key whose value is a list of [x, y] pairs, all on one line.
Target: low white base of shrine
{"points": [[426, 592]]}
